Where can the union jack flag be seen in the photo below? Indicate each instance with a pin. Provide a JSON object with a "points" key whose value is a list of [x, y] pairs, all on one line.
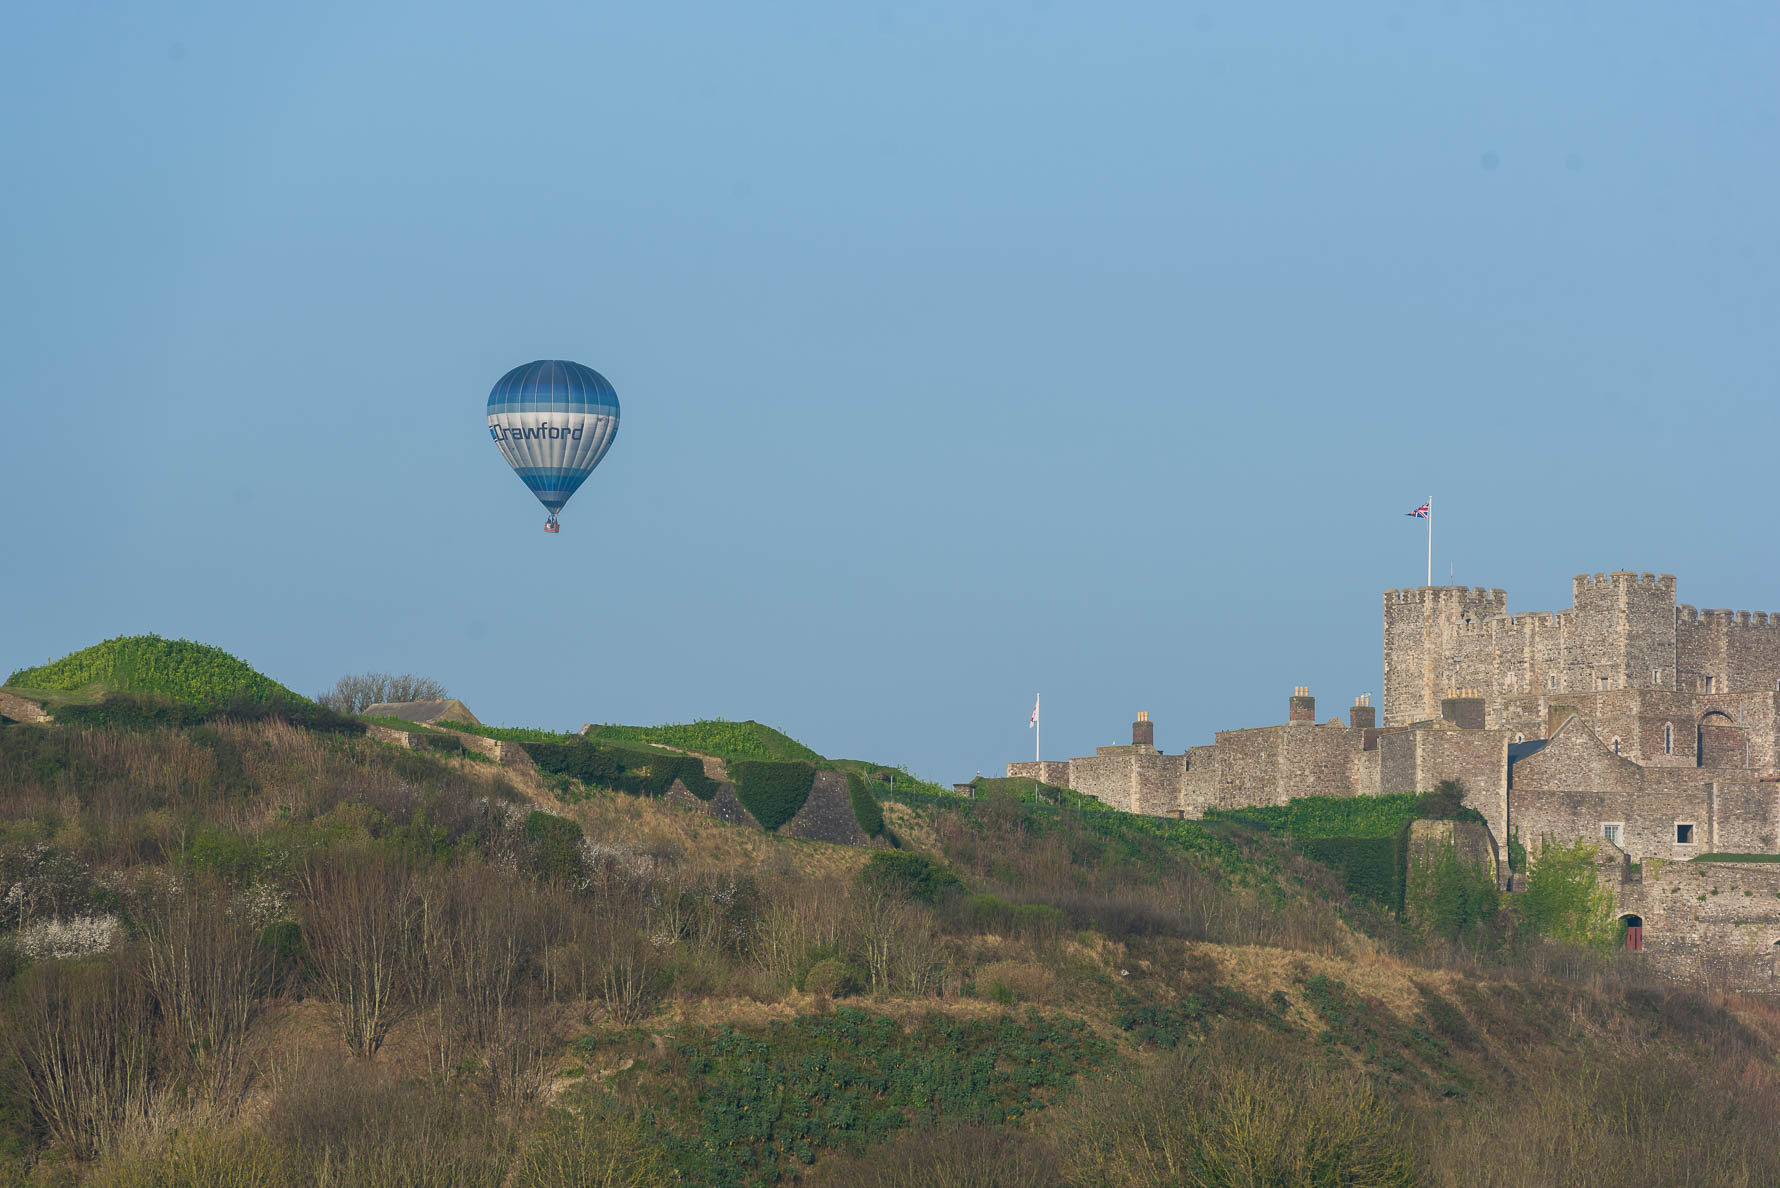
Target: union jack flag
{"points": [[1420, 513]]}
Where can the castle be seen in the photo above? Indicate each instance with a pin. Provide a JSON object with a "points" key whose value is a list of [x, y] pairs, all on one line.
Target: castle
{"points": [[1647, 727]]}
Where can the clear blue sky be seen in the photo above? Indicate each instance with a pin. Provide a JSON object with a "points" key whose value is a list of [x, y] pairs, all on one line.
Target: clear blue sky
{"points": [[965, 350]]}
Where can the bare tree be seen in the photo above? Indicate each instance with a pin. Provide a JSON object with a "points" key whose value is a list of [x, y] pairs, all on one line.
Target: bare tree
{"points": [[206, 971], [79, 1034], [355, 692], [361, 918]]}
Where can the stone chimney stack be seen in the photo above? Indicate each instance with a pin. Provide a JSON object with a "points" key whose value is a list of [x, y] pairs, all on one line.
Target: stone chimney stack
{"points": [[1143, 731], [1364, 715], [1303, 705]]}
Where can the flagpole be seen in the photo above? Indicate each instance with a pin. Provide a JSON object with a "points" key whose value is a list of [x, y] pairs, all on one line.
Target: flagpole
{"points": [[1038, 727], [1430, 540]]}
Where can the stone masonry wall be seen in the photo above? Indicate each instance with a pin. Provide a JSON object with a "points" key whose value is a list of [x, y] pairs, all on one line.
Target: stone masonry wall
{"points": [[1417, 760], [21, 710], [1709, 923], [1576, 785], [1045, 772]]}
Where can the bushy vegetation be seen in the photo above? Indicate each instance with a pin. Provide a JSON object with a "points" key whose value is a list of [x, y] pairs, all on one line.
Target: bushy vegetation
{"points": [[724, 739], [866, 809], [1349, 816], [149, 666], [1564, 902], [773, 792], [640, 773], [757, 1106]]}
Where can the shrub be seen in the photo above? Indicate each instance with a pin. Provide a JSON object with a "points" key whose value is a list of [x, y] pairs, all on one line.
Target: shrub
{"points": [[953, 1157], [831, 977], [593, 1148], [912, 874], [759, 1106], [773, 792], [1014, 981], [1564, 902], [1450, 899], [1250, 1111], [554, 846]]}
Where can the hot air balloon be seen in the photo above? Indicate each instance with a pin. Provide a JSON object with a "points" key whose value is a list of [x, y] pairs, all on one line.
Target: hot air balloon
{"points": [[553, 421]]}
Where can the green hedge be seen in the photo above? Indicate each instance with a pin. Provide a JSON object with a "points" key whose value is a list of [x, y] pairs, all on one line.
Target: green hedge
{"points": [[773, 792], [627, 771], [125, 712], [1371, 867], [1350, 816], [866, 809]]}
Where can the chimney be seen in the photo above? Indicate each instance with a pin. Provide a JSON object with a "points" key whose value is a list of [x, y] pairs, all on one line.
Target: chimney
{"points": [[1143, 731], [1364, 715], [1303, 705]]}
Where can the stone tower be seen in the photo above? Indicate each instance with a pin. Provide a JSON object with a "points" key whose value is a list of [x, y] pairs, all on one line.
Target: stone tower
{"points": [[1422, 645]]}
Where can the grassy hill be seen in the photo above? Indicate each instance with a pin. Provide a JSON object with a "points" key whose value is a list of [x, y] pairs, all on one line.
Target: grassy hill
{"points": [[147, 666], [244, 952]]}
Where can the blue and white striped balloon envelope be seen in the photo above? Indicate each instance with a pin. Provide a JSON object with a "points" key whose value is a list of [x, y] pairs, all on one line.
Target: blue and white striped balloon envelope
{"points": [[553, 421]]}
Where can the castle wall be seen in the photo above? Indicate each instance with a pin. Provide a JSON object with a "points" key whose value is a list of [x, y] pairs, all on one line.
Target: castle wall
{"points": [[1136, 779], [1273, 764], [1709, 923], [1740, 650], [1199, 782], [1417, 760], [1045, 772]]}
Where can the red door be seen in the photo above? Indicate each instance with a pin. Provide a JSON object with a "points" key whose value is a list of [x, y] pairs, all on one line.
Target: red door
{"points": [[1634, 937]]}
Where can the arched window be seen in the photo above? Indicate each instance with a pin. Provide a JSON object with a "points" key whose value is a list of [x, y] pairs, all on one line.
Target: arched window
{"points": [[1668, 739]]}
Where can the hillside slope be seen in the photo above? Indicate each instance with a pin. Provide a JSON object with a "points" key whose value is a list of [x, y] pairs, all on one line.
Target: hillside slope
{"points": [[428, 968]]}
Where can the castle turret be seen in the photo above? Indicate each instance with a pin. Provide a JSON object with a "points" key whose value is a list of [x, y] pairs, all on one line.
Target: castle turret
{"points": [[1303, 706], [1364, 715], [1143, 731]]}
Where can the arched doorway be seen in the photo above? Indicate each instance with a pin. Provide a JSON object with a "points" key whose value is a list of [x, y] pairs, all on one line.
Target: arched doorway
{"points": [[1634, 932]]}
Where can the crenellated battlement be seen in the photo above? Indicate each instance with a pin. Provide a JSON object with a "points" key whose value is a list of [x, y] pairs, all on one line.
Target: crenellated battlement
{"points": [[1714, 617], [1649, 583], [1495, 597]]}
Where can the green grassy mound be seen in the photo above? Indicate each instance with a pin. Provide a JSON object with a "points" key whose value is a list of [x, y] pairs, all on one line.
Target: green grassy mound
{"points": [[715, 736], [147, 666]]}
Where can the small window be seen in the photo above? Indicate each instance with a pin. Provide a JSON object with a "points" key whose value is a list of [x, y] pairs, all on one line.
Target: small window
{"points": [[1606, 682], [1616, 746], [1551, 682], [1668, 739], [1656, 676], [1684, 835], [1610, 831], [1520, 738], [1709, 681]]}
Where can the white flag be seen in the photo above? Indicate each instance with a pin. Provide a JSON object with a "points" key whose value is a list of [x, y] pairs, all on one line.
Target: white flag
{"points": [[1034, 722]]}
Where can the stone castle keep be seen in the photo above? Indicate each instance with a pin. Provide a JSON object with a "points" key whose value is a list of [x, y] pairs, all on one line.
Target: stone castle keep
{"points": [[1645, 726]]}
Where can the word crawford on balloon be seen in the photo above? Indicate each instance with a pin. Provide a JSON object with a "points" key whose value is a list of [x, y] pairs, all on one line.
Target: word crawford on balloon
{"points": [[503, 433]]}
